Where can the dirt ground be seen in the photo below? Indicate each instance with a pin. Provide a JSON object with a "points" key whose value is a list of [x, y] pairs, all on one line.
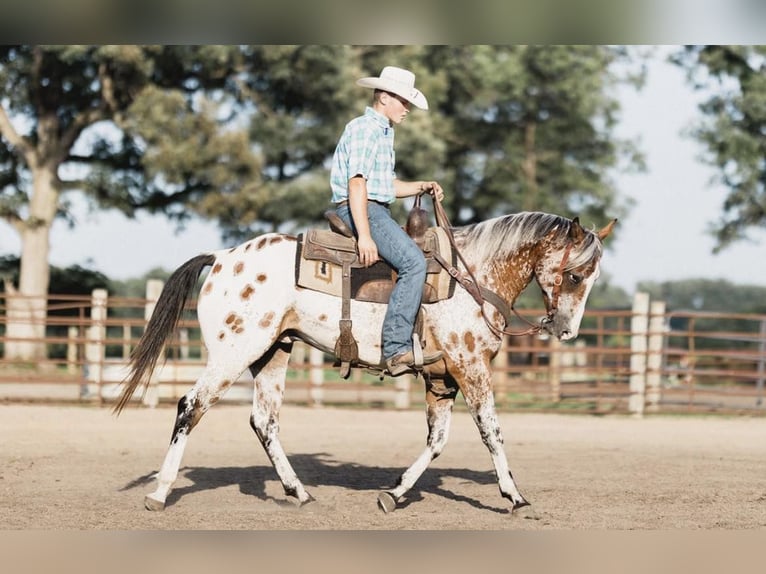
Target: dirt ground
{"points": [[82, 468]]}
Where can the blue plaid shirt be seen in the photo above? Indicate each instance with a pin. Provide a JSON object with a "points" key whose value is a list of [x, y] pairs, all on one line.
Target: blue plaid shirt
{"points": [[366, 148]]}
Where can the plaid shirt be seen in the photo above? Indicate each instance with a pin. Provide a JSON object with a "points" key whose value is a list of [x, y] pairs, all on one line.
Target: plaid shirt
{"points": [[366, 148]]}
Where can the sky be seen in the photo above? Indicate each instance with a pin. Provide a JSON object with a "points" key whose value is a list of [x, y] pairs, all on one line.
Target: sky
{"points": [[663, 238]]}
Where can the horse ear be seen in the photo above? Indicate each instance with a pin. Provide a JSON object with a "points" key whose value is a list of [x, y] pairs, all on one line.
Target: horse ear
{"points": [[604, 233], [576, 232]]}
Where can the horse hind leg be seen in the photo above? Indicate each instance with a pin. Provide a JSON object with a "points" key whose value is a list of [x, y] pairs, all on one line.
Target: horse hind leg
{"points": [[440, 398], [208, 389], [269, 380]]}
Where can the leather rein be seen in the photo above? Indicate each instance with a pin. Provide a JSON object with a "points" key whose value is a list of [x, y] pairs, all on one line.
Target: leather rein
{"points": [[483, 295]]}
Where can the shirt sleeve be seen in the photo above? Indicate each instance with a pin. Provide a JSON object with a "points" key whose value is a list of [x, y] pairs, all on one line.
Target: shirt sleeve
{"points": [[362, 151]]}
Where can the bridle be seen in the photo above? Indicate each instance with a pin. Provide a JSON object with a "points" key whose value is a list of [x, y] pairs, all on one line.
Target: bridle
{"points": [[551, 305], [483, 295], [557, 282]]}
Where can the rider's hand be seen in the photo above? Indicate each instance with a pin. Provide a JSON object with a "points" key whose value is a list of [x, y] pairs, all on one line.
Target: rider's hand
{"points": [[368, 251], [433, 189]]}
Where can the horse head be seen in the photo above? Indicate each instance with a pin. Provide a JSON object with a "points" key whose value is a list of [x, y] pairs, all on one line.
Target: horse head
{"points": [[566, 274]]}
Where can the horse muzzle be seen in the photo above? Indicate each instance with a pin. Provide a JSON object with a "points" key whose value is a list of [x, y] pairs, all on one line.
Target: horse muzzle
{"points": [[560, 328]]}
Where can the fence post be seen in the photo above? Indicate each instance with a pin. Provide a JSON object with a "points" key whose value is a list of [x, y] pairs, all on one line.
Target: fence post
{"points": [[402, 386], [94, 349], [153, 289], [316, 376], [72, 366], [761, 364], [126, 341], [183, 344], [654, 355], [638, 329]]}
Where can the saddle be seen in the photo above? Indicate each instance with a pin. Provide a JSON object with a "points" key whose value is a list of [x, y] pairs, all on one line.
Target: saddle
{"points": [[326, 261]]}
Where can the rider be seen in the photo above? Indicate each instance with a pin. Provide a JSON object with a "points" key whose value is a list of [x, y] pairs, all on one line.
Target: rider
{"points": [[364, 185]]}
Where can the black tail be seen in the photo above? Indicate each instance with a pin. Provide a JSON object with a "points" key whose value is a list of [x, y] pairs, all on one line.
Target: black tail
{"points": [[163, 322]]}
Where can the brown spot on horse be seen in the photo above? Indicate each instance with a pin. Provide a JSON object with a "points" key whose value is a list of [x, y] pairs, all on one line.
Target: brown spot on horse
{"points": [[247, 291], [266, 320], [238, 267], [469, 341], [261, 277], [216, 269], [234, 322]]}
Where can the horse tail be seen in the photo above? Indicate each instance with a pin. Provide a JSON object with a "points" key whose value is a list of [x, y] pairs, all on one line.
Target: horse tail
{"points": [[162, 323]]}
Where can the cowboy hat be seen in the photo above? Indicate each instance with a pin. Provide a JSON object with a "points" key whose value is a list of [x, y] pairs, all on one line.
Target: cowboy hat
{"points": [[397, 81]]}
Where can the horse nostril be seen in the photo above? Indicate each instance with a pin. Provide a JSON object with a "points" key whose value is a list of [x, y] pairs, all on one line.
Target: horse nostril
{"points": [[566, 334]]}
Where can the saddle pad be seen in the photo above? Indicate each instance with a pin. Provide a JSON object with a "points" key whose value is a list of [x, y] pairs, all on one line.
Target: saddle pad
{"points": [[318, 267]]}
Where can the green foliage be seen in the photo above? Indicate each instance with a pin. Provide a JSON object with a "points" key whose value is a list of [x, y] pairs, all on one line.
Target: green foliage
{"points": [[707, 295], [530, 128], [133, 127], [72, 280], [509, 128], [243, 134], [732, 130], [136, 288]]}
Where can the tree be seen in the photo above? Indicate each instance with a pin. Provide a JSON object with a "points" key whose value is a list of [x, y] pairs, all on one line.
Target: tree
{"points": [[243, 134], [509, 128], [531, 128], [295, 102], [732, 130], [128, 126]]}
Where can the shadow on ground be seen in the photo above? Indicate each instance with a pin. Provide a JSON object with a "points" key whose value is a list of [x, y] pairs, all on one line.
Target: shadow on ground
{"points": [[320, 469]]}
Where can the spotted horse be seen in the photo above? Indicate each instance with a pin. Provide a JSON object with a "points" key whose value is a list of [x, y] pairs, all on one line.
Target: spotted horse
{"points": [[250, 313]]}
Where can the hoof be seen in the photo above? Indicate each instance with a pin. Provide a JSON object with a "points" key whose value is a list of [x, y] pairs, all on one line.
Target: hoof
{"points": [[298, 503], [153, 504], [302, 503], [525, 510], [386, 502]]}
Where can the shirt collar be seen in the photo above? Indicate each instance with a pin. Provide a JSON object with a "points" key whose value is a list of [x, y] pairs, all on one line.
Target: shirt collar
{"points": [[379, 118]]}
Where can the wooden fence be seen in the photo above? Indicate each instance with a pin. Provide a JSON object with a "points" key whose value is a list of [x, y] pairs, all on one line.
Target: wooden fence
{"points": [[642, 361]]}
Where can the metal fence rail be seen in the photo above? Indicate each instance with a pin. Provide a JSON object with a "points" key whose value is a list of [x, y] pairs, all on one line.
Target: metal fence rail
{"points": [[642, 360]]}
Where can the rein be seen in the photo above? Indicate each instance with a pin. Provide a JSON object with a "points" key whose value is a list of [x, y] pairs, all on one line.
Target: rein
{"points": [[483, 295]]}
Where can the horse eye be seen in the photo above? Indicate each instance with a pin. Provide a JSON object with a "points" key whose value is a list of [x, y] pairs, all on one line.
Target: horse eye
{"points": [[575, 279]]}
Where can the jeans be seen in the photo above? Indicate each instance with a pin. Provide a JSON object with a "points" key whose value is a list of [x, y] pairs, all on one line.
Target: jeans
{"points": [[402, 253]]}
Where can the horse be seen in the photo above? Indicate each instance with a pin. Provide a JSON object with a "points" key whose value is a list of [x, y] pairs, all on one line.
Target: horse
{"points": [[251, 311]]}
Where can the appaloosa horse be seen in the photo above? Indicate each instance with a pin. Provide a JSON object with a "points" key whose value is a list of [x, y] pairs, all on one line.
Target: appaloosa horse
{"points": [[250, 312]]}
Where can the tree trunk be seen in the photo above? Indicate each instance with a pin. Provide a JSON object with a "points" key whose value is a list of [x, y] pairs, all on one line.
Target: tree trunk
{"points": [[529, 167], [27, 308]]}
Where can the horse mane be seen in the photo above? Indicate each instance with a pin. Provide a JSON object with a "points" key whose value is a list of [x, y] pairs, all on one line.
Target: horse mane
{"points": [[503, 236]]}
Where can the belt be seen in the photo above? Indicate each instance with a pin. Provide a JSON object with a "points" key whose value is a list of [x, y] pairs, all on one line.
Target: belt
{"points": [[383, 203]]}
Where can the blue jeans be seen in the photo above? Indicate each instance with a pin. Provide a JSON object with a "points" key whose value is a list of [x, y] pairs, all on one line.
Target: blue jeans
{"points": [[403, 254]]}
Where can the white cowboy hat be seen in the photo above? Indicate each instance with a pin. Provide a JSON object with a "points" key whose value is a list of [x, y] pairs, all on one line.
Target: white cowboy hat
{"points": [[397, 81]]}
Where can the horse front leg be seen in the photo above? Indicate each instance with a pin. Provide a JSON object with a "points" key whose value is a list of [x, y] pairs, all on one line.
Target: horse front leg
{"points": [[481, 404], [440, 398], [269, 379]]}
